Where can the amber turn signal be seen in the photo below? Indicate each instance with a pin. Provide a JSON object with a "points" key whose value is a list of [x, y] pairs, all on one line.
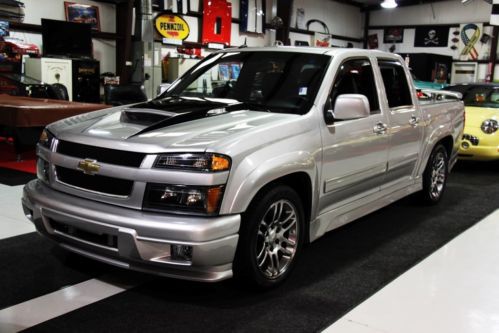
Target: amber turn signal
{"points": [[219, 163]]}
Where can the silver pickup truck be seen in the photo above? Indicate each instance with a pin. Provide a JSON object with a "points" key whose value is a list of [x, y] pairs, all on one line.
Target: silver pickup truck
{"points": [[249, 155]]}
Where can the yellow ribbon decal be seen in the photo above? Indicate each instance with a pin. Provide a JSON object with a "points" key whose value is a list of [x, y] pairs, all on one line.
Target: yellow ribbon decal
{"points": [[469, 42]]}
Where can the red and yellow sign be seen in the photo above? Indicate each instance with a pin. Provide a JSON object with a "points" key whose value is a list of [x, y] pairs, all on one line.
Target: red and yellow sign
{"points": [[172, 26]]}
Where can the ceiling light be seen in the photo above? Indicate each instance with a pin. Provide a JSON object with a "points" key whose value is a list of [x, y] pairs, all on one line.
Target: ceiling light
{"points": [[389, 4]]}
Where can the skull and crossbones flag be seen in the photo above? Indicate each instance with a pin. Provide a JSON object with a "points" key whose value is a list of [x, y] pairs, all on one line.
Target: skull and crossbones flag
{"points": [[429, 36]]}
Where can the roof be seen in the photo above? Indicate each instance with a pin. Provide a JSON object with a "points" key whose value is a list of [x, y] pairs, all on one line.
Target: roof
{"points": [[331, 51]]}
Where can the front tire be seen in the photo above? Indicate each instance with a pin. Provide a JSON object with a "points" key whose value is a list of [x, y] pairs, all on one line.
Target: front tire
{"points": [[270, 238], [435, 176]]}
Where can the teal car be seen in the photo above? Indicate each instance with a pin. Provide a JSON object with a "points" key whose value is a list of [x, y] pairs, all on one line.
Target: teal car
{"points": [[426, 84]]}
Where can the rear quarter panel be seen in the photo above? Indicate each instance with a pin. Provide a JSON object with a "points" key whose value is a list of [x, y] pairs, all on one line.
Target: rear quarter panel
{"points": [[440, 120]]}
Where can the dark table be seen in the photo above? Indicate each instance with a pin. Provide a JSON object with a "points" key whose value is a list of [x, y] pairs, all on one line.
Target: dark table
{"points": [[24, 117]]}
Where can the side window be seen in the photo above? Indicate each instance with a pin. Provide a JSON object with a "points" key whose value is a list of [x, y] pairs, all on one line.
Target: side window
{"points": [[356, 76], [395, 81]]}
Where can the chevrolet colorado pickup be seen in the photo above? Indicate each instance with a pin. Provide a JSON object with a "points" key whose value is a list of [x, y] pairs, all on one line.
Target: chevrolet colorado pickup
{"points": [[246, 157]]}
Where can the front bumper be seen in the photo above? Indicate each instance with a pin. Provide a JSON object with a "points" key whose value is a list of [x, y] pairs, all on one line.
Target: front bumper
{"points": [[134, 239], [481, 147]]}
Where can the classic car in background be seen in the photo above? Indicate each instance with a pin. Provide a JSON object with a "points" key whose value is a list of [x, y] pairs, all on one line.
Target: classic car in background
{"points": [[419, 84], [13, 49], [480, 140]]}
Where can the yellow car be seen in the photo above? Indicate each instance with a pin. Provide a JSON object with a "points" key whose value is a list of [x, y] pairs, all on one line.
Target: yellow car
{"points": [[481, 138]]}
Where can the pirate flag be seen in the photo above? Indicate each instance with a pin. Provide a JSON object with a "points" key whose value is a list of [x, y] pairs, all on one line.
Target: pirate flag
{"points": [[429, 36]]}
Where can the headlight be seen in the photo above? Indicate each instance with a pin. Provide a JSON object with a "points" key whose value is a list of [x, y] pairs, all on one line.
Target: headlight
{"points": [[203, 200], [195, 162], [46, 139], [489, 126]]}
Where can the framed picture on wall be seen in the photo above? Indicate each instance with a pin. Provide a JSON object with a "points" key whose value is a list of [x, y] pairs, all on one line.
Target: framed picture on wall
{"points": [[372, 41], [393, 35], [82, 14]]}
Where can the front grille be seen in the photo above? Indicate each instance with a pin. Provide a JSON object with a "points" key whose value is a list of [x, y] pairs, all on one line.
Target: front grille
{"points": [[99, 239], [471, 138], [104, 155], [101, 184]]}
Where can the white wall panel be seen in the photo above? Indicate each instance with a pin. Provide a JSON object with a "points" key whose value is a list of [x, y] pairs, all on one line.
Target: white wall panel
{"points": [[445, 12], [341, 19]]}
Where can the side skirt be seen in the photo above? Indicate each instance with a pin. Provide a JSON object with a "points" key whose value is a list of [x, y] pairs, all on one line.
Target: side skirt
{"points": [[352, 211]]}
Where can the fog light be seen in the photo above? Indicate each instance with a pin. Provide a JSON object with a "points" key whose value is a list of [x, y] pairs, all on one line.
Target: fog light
{"points": [[28, 212], [42, 169], [465, 145], [181, 252]]}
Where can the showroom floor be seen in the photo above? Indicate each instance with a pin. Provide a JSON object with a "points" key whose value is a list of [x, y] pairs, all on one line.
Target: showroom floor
{"points": [[405, 268]]}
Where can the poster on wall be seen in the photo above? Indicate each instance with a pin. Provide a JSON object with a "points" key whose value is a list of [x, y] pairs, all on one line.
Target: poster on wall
{"points": [[470, 46], [440, 73], [300, 18], [82, 14], [429, 36], [372, 41], [393, 35]]}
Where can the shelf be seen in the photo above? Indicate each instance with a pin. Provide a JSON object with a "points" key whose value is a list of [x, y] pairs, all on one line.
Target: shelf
{"points": [[35, 28]]}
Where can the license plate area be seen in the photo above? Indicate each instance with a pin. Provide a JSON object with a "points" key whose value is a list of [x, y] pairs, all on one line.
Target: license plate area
{"points": [[103, 240]]}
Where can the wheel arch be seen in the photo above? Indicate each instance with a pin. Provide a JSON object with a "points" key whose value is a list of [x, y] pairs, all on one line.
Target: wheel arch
{"points": [[301, 183], [448, 143]]}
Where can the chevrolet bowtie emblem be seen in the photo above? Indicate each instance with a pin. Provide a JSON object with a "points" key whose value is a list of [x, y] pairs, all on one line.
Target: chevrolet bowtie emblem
{"points": [[88, 166]]}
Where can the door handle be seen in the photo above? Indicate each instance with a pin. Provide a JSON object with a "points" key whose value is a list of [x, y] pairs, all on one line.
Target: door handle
{"points": [[380, 128], [414, 121]]}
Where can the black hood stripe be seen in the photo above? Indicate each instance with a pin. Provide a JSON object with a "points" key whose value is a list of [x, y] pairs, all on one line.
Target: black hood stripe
{"points": [[185, 109]]}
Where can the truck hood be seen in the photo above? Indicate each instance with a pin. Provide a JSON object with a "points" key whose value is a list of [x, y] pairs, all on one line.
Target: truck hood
{"points": [[476, 115], [174, 124]]}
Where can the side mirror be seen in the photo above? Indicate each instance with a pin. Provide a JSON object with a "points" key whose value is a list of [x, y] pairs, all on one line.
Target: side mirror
{"points": [[351, 106], [328, 112]]}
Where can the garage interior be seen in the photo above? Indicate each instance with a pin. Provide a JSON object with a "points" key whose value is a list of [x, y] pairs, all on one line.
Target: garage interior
{"points": [[404, 268]]}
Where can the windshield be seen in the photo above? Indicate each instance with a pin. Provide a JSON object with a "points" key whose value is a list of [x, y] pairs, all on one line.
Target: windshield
{"points": [[481, 96], [271, 81]]}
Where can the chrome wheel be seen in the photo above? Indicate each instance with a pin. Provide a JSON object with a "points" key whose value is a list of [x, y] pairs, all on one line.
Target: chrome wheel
{"points": [[438, 175], [277, 239]]}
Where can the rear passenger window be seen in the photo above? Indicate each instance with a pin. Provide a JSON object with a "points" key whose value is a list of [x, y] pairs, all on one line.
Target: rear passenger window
{"points": [[356, 76], [395, 81]]}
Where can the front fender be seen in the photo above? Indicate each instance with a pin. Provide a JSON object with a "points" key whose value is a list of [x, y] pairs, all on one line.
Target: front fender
{"points": [[250, 177]]}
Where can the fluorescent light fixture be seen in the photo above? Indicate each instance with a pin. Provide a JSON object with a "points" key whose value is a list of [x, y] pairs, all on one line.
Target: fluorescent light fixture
{"points": [[389, 4]]}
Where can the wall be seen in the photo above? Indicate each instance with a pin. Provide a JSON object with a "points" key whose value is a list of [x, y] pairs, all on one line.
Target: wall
{"points": [[446, 12], [104, 50], [341, 19]]}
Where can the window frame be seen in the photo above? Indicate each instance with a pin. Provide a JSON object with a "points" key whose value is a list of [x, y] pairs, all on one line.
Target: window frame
{"points": [[399, 63], [336, 76]]}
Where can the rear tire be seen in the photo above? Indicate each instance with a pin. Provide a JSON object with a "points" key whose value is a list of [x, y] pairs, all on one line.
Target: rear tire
{"points": [[270, 238], [435, 176]]}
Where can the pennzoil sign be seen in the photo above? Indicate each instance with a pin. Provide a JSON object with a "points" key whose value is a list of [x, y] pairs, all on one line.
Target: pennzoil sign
{"points": [[172, 27]]}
